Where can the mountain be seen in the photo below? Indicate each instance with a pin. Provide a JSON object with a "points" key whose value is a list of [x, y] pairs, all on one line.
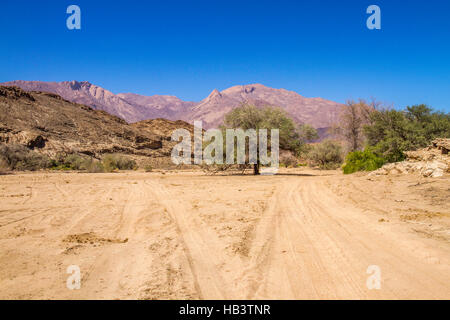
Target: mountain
{"points": [[318, 112], [90, 95], [51, 125], [167, 107]]}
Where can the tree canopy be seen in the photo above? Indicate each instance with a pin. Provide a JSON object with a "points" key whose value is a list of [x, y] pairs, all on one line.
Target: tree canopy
{"points": [[291, 136], [393, 132]]}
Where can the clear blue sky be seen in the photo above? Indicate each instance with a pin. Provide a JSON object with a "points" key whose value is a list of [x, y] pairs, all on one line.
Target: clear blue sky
{"points": [[188, 48]]}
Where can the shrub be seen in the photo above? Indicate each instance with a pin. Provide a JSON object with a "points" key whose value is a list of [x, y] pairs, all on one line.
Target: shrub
{"points": [[94, 166], [326, 155], [148, 167], [109, 163], [76, 162], [365, 160], [4, 166], [113, 162], [18, 157], [288, 160], [71, 162]]}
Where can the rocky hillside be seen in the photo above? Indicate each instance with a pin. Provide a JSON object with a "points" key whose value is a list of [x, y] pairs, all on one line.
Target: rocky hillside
{"points": [[162, 127], [49, 124], [166, 107], [317, 112]]}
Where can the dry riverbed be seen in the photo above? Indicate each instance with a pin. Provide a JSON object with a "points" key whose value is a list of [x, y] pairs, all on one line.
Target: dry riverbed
{"points": [[303, 234]]}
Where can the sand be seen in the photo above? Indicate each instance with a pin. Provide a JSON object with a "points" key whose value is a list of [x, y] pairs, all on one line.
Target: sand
{"points": [[303, 234]]}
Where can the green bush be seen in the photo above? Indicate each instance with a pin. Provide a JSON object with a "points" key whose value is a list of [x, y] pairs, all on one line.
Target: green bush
{"points": [[365, 160], [326, 155], [393, 132], [109, 163], [76, 162], [18, 157], [113, 162], [71, 162]]}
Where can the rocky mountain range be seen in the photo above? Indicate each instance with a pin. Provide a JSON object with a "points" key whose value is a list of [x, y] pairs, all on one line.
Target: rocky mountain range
{"points": [[90, 95], [318, 112]]}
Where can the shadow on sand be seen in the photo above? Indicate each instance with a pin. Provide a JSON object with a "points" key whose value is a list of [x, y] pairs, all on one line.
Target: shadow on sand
{"points": [[239, 174]]}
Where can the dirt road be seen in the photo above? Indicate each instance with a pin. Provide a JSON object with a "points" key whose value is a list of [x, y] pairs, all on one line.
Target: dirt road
{"points": [[299, 235]]}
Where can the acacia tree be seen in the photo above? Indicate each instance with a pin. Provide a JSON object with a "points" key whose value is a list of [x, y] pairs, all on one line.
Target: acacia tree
{"points": [[248, 117]]}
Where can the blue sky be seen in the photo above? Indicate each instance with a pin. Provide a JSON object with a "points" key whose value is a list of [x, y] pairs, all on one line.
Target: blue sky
{"points": [[188, 48]]}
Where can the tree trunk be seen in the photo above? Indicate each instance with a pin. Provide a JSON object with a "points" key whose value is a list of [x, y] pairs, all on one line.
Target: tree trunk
{"points": [[256, 169], [257, 164]]}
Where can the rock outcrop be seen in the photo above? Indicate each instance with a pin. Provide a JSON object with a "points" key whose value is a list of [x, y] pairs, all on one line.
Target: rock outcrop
{"points": [[433, 161], [48, 124]]}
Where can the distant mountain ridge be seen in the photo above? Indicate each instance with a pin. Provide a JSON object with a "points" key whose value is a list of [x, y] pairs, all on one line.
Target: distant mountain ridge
{"points": [[318, 112], [90, 95]]}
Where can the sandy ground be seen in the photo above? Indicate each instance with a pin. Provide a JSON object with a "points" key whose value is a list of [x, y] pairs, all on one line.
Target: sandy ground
{"points": [[303, 234]]}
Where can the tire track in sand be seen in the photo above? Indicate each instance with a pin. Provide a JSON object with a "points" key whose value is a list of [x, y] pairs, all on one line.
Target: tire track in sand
{"points": [[205, 252], [311, 246]]}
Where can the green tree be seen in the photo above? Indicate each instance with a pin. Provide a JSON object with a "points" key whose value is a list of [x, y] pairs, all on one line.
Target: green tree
{"points": [[307, 133], [326, 155], [248, 117], [393, 132]]}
